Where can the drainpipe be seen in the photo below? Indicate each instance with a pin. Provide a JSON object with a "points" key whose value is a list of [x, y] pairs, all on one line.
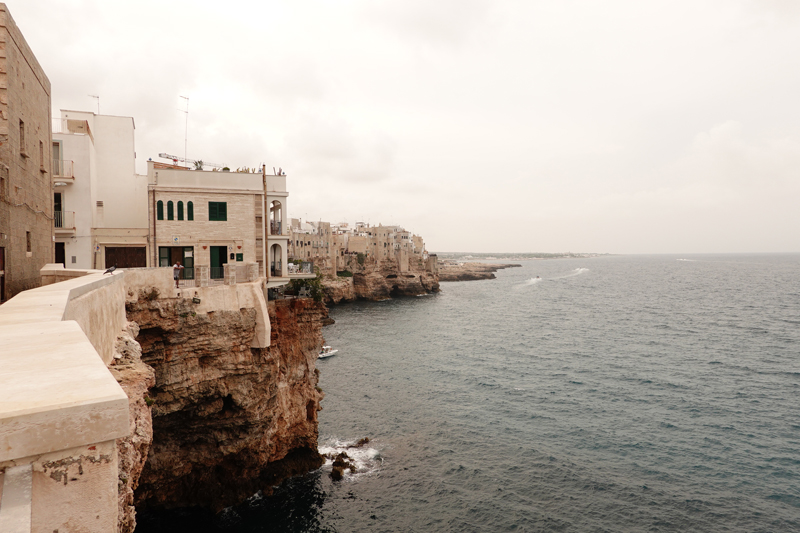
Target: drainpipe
{"points": [[153, 245], [264, 223]]}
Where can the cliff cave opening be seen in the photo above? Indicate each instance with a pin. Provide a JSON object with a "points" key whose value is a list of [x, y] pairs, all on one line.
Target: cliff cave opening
{"points": [[395, 292], [228, 405], [391, 276]]}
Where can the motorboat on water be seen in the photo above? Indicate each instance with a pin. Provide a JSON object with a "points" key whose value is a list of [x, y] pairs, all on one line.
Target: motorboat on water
{"points": [[327, 351]]}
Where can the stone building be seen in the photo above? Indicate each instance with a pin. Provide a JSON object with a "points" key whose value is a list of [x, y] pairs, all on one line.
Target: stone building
{"points": [[26, 201], [100, 202], [331, 247], [209, 218], [313, 241]]}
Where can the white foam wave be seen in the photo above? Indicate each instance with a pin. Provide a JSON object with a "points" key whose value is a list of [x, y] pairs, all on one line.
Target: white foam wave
{"points": [[367, 460], [575, 272], [690, 260], [533, 281]]}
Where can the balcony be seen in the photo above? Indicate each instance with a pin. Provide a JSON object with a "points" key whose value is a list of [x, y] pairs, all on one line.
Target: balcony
{"points": [[64, 222], [304, 270], [275, 228], [68, 125], [63, 172]]}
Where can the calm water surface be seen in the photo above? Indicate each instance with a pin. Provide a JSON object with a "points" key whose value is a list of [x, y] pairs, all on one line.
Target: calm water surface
{"points": [[612, 394]]}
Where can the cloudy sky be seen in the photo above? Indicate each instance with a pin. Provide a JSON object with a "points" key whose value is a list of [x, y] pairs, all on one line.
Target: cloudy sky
{"points": [[662, 126]]}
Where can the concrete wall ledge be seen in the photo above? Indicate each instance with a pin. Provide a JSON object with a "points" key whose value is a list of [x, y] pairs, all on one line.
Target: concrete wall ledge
{"points": [[55, 391]]}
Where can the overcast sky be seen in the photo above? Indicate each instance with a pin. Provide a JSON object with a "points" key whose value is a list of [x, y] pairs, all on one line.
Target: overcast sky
{"points": [[488, 126]]}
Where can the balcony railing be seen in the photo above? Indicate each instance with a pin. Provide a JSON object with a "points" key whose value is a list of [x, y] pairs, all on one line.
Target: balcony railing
{"points": [[63, 169], [64, 220], [306, 267], [275, 228], [217, 272]]}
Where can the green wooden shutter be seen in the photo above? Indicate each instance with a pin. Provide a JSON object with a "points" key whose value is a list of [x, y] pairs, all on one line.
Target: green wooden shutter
{"points": [[189, 211], [160, 210]]}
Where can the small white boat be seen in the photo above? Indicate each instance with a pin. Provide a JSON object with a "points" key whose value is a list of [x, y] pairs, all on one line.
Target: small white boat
{"points": [[327, 351]]}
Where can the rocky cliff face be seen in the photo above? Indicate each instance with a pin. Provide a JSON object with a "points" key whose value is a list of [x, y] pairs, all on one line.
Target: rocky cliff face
{"points": [[228, 420], [378, 281], [470, 271], [136, 378]]}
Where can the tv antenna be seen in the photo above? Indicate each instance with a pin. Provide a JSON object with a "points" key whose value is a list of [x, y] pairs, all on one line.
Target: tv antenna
{"points": [[186, 130], [97, 97]]}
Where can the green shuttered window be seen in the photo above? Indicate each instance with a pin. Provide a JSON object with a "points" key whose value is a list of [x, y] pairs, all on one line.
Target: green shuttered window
{"points": [[217, 211], [189, 211]]}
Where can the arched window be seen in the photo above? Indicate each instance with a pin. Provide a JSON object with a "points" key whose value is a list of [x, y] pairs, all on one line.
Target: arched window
{"points": [[189, 211], [160, 210], [170, 211], [180, 210]]}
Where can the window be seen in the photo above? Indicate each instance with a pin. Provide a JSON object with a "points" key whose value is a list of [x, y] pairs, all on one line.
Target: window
{"points": [[22, 139], [217, 211], [41, 157], [170, 210], [189, 211], [160, 210], [180, 210], [28, 240]]}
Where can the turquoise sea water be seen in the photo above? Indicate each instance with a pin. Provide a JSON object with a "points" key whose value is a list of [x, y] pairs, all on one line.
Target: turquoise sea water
{"points": [[622, 393]]}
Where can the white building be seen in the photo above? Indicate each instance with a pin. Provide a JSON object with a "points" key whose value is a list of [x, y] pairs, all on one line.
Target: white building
{"points": [[100, 202]]}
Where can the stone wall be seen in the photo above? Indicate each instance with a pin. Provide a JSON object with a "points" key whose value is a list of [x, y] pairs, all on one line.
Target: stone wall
{"points": [[60, 409], [26, 199]]}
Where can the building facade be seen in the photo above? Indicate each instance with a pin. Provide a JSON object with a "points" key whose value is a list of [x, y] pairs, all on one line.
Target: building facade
{"points": [[26, 201], [100, 202], [331, 246], [210, 218]]}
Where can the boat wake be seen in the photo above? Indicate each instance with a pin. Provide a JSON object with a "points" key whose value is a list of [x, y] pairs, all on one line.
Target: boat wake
{"points": [[572, 273], [361, 458], [533, 281]]}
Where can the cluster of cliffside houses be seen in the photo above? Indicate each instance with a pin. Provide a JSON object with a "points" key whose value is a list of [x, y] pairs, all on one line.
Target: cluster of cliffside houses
{"points": [[70, 194]]}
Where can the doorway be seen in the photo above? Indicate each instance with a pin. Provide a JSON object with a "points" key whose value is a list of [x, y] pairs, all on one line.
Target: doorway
{"points": [[58, 208], [2, 274], [169, 255], [61, 254], [132, 257], [219, 258]]}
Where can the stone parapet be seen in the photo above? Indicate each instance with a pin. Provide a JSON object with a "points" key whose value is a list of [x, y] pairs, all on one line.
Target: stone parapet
{"points": [[230, 273], [60, 408]]}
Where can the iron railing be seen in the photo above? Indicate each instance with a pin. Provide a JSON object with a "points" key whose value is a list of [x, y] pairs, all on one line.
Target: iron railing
{"points": [[216, 272], [64, 219], [63, 168]]}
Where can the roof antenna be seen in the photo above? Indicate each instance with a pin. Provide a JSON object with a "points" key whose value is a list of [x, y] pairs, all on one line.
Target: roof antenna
{"points": [[97, 97], [186, 131]]}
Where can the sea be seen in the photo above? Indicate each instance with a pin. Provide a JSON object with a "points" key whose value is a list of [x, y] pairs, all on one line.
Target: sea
{"points": [[605, 394]]}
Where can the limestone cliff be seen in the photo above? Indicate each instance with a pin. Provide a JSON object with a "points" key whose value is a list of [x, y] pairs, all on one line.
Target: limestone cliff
{"points": [[374, 280], [470, 271], [135, 378], [228, 420]]}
